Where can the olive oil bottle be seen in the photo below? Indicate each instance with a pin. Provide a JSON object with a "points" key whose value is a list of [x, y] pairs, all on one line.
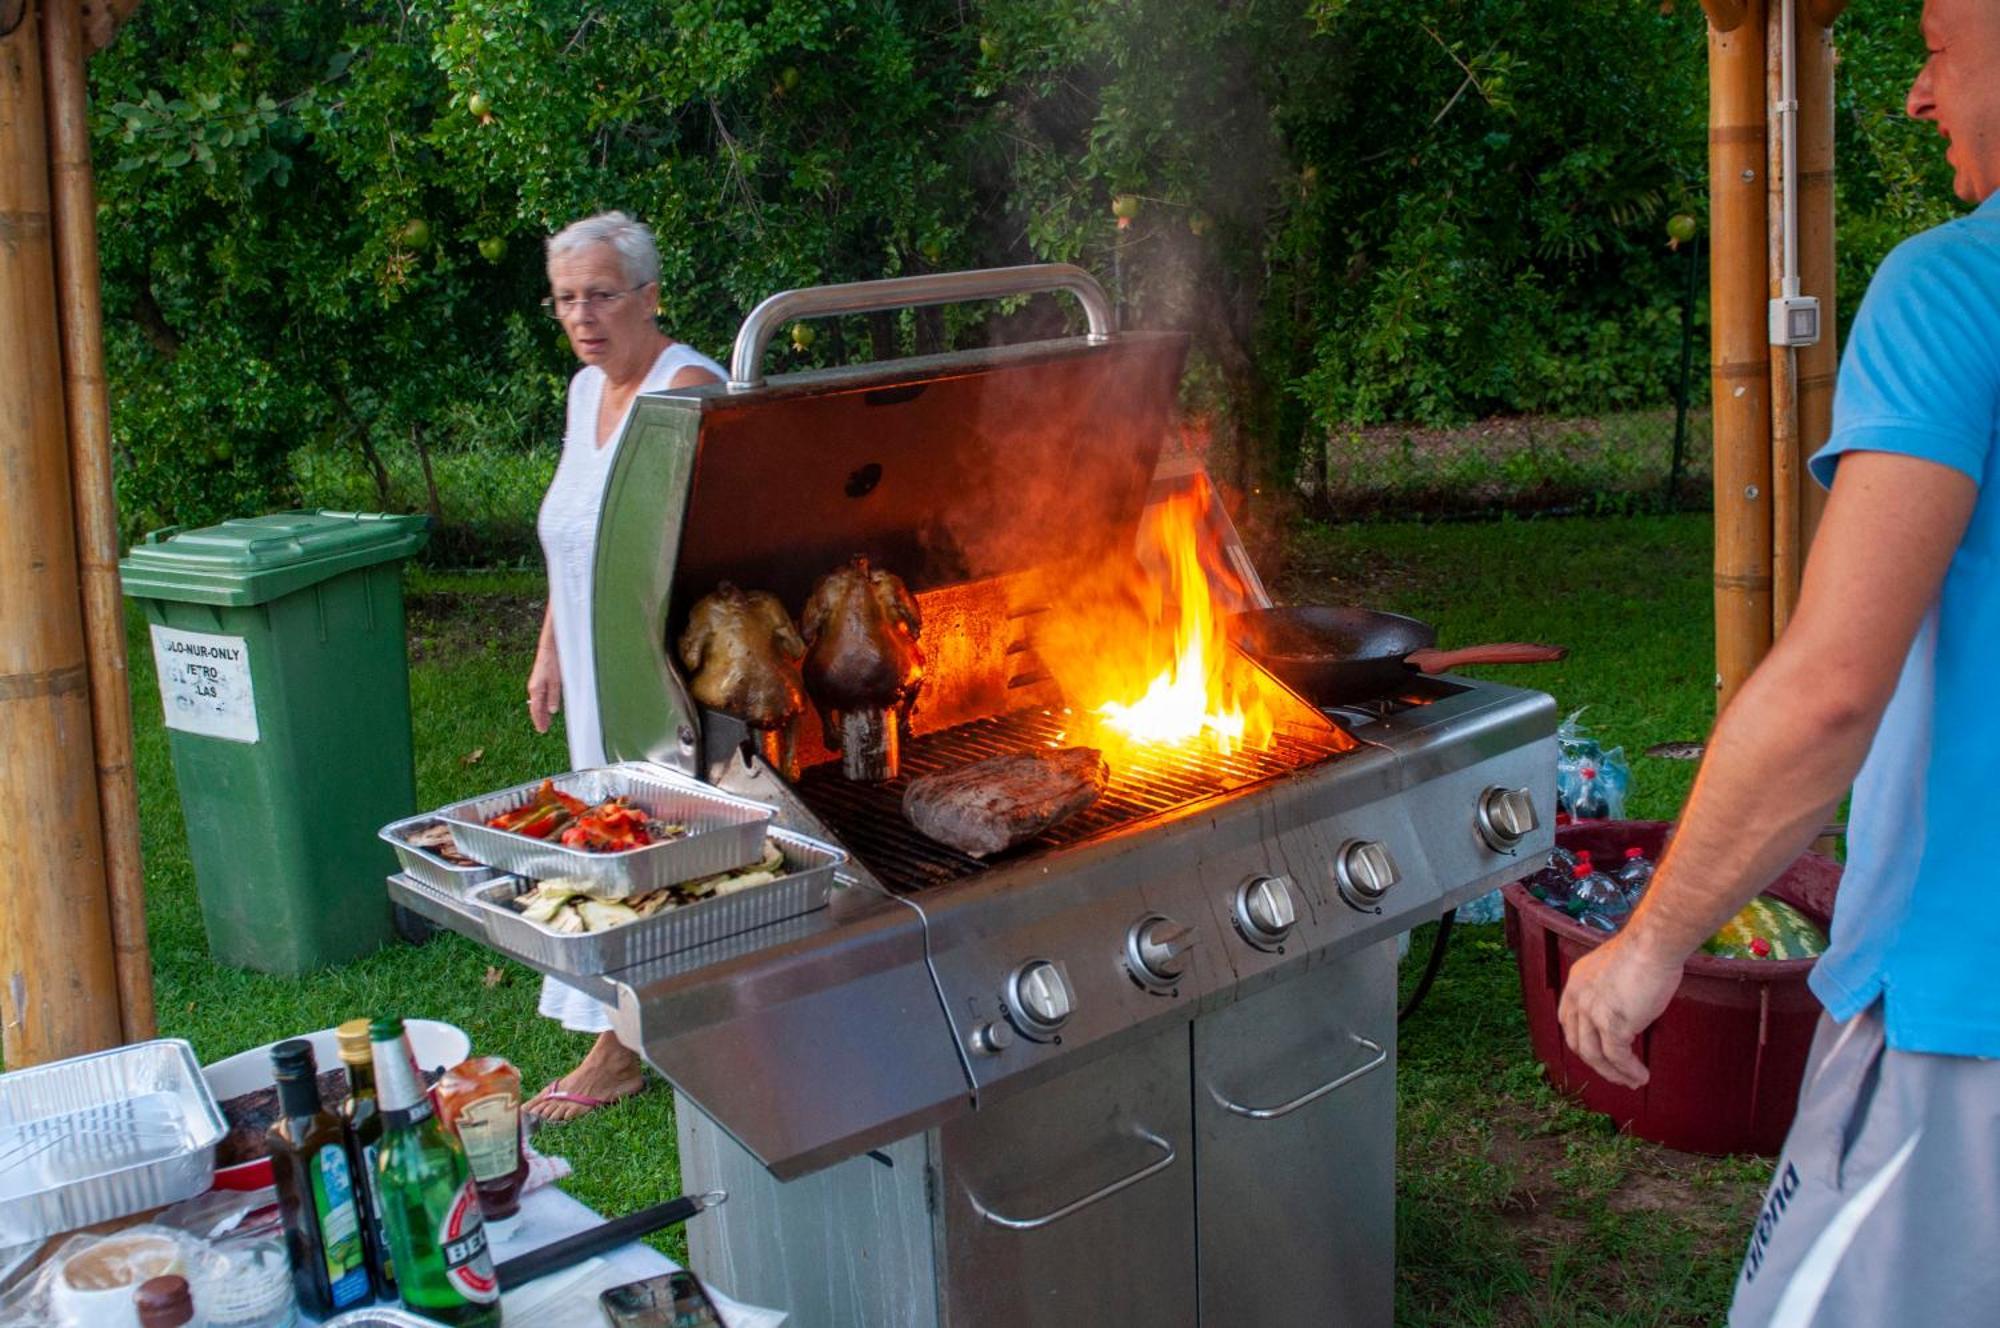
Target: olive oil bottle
{"points": [[316, 1196]]}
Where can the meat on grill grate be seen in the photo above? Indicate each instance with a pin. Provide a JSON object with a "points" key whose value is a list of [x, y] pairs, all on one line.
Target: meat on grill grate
{"points": [[1002, 801]]}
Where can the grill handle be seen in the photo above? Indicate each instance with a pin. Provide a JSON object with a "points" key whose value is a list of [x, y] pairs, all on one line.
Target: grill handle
{"points": [[746, 361], [1153, 1168], [1287, 1108]]}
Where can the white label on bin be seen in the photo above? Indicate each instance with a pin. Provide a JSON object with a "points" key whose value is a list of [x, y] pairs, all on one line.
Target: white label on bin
{"points": [[205, 683]]}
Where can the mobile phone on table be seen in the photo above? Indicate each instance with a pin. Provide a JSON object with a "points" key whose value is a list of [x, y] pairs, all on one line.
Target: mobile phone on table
{"points": [[671, 1300]]}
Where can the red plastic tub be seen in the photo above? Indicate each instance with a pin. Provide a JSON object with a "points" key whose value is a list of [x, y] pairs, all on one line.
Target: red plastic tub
{"points": [[1726, 1057]]}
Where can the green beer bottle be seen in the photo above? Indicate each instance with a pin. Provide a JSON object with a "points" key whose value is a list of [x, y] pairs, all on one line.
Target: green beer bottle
{"points": [[437, 1234]]}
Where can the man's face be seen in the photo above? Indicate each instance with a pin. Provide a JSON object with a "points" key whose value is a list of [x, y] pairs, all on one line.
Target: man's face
{"points": [[1959, 90]]}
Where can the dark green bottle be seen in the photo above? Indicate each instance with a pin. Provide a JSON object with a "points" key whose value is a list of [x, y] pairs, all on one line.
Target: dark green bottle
{"points": [[437, 1234], [363, 1119], [316, 1197]]}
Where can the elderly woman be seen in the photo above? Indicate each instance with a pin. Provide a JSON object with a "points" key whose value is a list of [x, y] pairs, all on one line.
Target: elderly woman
{"points": [[604, 287]]}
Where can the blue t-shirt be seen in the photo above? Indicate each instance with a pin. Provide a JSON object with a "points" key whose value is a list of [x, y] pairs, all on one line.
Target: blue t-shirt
{"points": [[1918, 921]]}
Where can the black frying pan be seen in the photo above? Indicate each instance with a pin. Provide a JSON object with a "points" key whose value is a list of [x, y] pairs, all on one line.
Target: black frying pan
{"points": [[1330, 655]]}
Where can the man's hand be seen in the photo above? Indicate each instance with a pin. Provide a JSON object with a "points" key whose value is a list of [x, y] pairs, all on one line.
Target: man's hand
{"points": [[1613, 995]]}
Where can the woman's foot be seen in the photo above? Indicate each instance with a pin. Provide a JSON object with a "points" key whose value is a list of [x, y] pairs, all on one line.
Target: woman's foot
{"points": [[609, 1073]]}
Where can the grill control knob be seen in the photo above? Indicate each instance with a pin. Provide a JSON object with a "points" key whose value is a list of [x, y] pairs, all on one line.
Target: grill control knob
{"points": [[1038, 998], [1156, 951], [1265, 913], [992, 1037], [1365, 871], [1506, 817]]}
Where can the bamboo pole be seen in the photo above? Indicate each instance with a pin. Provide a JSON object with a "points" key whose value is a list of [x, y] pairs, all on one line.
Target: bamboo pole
{"points": [[1741, 360], [1787, 468], [1820, 364], [1725, 15], [58, 987], [75, 199]]}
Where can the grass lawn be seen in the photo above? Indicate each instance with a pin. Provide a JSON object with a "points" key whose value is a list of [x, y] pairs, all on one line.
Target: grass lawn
{"points": [[1514, 1207]]}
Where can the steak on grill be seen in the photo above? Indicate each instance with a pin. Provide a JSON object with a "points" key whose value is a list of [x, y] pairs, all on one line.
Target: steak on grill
{"points": [[1002, 801]]}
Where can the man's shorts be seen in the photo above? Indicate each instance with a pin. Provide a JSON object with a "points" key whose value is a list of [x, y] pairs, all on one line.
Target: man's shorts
{"points": [[1885, 1207]]}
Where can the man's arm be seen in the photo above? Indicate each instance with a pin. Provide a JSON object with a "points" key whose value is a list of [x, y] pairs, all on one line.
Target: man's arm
{"points": [[1789, 745]]}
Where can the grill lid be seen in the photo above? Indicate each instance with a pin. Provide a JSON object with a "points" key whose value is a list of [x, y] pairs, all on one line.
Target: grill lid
{"points": [[943, 469]]}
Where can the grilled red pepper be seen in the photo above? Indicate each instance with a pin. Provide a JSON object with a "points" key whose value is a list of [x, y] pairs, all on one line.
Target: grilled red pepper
{"points": [[612, 826]]}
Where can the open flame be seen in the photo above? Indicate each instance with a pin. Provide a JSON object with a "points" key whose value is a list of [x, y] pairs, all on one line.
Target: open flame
{"points": [[1149, 661]]}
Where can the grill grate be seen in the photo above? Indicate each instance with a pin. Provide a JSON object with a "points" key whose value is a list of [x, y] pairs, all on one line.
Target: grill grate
{"points": [[868, 818]]}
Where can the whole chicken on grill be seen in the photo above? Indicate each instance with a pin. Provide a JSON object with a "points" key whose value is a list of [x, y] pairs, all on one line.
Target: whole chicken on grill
{"points": [[864, 666], [745, 654]]}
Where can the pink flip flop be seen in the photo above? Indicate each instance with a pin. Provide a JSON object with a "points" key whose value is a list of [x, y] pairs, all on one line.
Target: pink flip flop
{"points": [[553, 1093]]}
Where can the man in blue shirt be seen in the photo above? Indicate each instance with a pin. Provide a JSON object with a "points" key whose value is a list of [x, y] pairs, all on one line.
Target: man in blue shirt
{"points": [[1885, 1207]]}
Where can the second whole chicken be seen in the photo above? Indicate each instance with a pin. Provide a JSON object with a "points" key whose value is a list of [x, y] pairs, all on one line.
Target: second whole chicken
{"points": [[864, 666], [745, 654]]}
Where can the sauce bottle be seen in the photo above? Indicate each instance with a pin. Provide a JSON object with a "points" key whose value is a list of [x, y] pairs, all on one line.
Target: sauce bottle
{"points": [[316, 1197], [480, 1101]]}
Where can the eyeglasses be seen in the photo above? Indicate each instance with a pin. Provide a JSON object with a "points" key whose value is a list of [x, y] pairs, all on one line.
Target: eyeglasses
{"points": [[595, 301]]}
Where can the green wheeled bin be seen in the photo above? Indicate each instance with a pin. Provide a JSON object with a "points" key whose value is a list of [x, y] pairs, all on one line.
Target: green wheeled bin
{"points": [[285, 680]]}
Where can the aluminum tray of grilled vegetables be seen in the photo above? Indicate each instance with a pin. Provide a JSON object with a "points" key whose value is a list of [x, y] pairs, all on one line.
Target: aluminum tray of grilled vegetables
{"points": [[626, 829], [429, 852], [563, 924]]}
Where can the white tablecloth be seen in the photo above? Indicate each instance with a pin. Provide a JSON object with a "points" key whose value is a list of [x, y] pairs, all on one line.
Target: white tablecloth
{"points": [[568, 1299]]}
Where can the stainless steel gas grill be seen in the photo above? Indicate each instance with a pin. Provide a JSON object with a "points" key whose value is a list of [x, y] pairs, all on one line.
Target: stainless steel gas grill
{"points": [[1139, 1070]]}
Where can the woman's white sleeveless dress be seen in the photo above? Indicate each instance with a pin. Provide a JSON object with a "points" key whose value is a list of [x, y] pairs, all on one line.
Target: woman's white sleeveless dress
{"points": [[567, 526]]}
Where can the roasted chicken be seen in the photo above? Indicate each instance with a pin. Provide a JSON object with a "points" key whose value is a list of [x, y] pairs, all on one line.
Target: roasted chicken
{"points": [[864, 666], [745, 654]]}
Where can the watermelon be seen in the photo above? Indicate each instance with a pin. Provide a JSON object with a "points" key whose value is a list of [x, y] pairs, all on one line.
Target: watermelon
{"points": [[1768, 928]]}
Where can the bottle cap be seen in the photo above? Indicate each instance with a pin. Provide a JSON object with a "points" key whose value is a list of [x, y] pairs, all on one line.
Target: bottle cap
{"points": [[1583, 855], [385, 1028], [1581, 870], [353, 1039], [293, 1059], [1635, 852], [164, 1302]]}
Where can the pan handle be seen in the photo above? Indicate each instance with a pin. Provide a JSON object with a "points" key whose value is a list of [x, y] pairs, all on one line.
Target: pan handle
{"points": [[593, 1241], [746, 360], [1498, 652]]}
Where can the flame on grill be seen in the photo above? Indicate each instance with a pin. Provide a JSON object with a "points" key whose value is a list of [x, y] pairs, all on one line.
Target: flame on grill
{"points": [[1148, 661]]}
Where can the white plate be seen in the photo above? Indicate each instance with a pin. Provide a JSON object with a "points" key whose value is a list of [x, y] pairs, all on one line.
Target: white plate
{"points": [[438, 1046]]}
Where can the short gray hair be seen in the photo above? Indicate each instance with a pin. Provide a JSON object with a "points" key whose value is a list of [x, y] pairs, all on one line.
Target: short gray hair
{"points": [[631, 240]]}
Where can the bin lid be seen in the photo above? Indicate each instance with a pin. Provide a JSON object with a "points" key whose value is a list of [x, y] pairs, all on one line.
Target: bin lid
{"points": [[250, 560]]}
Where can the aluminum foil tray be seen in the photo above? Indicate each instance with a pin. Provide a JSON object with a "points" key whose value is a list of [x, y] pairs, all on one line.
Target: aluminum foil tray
{"points": [[725, 831], [103, 1136], [809, 871], [378, 1316], [423, 865]]}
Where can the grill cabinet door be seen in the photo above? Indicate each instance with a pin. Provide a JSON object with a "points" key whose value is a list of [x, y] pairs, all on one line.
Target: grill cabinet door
{"points": [[1116, 1127], [1297, 1219]]}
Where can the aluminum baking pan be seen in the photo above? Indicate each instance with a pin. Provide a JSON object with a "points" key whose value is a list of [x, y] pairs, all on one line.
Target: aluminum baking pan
{"points": [[423, 865], [725, 831], [103, 1136], [809, 872]]}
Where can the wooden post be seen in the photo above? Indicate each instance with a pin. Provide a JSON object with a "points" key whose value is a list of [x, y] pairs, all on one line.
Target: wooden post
{"points": [[1818, 365], [1741, 363], [1787, 467], [58, 990], [75, 213]]}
